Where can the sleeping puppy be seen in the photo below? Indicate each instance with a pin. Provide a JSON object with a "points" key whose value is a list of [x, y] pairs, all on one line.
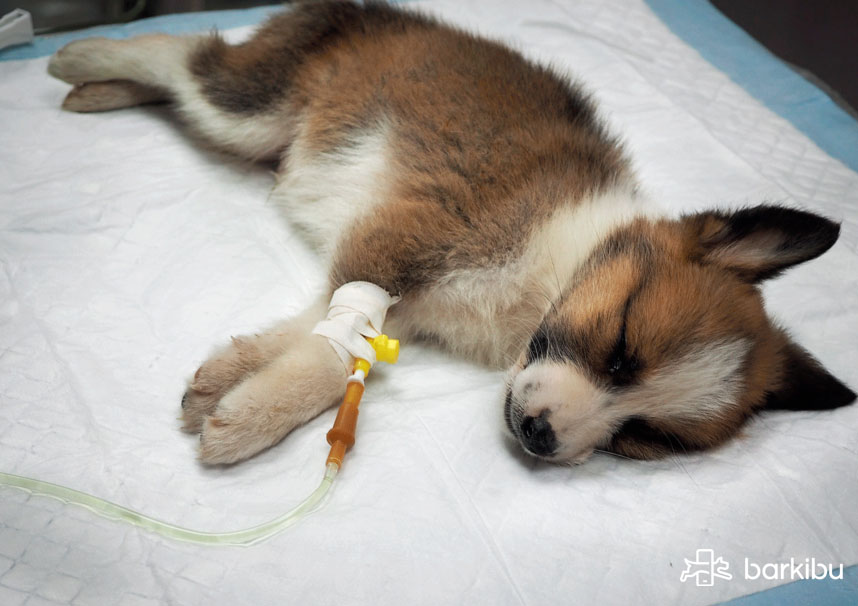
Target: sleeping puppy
{"points": [[512, 230]]}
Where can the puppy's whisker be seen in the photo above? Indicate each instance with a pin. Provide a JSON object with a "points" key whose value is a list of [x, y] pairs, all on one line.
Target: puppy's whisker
{"points": [[613, 454]]}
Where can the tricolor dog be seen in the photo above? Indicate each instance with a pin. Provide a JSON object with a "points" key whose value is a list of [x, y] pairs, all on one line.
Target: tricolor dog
{"points": [[516, 235]]}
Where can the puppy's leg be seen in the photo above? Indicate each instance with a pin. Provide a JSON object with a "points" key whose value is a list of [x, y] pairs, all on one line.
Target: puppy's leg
{"points": [[261, 410], [225, 369], [243, 98], [157, 60], [242, 357], [112, 94], [204, 77], [250, 394]]}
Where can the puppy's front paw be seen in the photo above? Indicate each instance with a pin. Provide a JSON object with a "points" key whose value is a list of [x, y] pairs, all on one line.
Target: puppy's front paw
{"points": [[219, 374], [196, 406], [263, 408], [234, 434]]}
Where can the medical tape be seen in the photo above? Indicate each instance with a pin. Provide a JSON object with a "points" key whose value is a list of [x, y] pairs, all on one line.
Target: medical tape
{"points": [[356, 311]]}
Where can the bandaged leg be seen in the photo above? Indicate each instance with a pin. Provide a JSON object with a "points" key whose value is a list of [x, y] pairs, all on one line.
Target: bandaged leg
{"points": [[356, 312], [249, 395]]}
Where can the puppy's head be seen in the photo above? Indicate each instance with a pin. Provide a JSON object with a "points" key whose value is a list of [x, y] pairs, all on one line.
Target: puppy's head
{"points": [[661, 343]]}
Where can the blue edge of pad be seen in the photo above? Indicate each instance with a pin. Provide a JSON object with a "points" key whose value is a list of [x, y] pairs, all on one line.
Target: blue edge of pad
{"points": [[761, 74], [722, 44]]}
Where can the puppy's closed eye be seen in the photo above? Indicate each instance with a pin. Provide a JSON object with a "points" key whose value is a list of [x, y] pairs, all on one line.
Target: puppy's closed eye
{"points": [[622, 365]]}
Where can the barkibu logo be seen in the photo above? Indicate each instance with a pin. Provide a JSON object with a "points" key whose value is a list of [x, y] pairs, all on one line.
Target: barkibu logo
{"points": [[705, 568], [793, 570]]}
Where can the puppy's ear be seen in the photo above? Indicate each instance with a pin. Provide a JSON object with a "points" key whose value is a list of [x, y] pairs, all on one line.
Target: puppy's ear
{"points": [[806, 385], [760, 242]]}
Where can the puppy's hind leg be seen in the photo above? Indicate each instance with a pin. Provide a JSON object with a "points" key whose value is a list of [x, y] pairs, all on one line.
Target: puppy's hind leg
{"points": [[152, 60], [112, 94], [202, 75]]}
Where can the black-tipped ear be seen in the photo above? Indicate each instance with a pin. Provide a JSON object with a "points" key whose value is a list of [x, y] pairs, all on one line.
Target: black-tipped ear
{"points": [[760, 242], [806, 385]]}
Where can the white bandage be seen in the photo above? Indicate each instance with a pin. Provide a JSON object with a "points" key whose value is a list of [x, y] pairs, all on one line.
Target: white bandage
{"points": [[356, 311]]}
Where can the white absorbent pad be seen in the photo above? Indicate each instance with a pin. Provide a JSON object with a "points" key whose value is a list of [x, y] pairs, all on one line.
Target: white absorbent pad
{"points": [[128, 254]]}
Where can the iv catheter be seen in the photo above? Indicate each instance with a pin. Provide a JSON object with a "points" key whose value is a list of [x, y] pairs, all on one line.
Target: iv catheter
{"points": [[341, 437]]}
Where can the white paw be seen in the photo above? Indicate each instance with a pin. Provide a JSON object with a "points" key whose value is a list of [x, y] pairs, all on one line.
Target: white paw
{"points": [[225, 369], [112, 94], [232, 435], [261, 410], [84, 61]]}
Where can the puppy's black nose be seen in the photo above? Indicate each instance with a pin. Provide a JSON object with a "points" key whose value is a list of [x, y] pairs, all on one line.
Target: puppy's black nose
{"points": [[537, 435]]}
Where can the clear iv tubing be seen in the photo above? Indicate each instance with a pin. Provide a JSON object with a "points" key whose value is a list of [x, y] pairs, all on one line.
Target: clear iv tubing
{"points": [[340, 437], [112, 511]]}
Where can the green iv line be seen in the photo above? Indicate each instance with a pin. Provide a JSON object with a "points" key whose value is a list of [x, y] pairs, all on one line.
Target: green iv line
{"points": [[112, 511]]}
